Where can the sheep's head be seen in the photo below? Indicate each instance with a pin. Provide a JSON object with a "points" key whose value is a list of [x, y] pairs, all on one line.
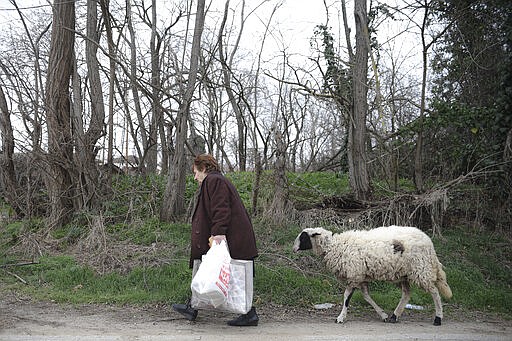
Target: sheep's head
{"points": [[315, 239]]}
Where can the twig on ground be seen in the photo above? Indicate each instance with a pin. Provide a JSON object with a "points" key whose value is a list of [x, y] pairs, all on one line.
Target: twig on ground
{"points": [[17, 264], [16, 276]]}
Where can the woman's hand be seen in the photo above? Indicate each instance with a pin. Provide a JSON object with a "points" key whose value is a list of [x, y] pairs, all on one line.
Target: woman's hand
{"points": [[217, 239]]}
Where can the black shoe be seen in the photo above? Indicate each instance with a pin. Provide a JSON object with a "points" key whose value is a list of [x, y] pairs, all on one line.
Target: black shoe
{"points": [[186, 310], [249, 319]]}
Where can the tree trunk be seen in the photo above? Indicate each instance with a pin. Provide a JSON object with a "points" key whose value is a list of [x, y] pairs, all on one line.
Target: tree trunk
{"points": [[152, 150], [256, 133], [60, 141], [27, 194], [279, 210], [240, 122], [134, 87], [85, 158], [10, 188], [173, 204], [104, 4], [359, 179], [258, 171], [418, 152]]}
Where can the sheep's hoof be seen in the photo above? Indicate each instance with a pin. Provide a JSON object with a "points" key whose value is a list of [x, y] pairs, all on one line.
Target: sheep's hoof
{"points": [[437, 321], [392, 319], [339, 320]]}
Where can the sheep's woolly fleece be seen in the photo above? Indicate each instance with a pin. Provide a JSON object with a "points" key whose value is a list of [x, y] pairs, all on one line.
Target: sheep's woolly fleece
{"points": [[385, 253], [394, 253]]}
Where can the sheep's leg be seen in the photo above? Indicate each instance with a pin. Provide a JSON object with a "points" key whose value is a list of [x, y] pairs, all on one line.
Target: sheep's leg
{"points": [[439, 306], [366, 295], [406, 295], [347, 295]]}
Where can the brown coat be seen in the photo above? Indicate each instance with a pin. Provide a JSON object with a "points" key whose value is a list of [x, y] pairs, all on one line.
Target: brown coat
{"points": [[220, 211]]}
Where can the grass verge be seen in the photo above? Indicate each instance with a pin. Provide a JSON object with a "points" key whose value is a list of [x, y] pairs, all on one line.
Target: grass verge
{"points": [[149, 259]]}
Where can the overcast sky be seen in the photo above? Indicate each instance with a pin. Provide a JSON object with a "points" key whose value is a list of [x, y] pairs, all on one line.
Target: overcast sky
{"points": [[292, 26]]}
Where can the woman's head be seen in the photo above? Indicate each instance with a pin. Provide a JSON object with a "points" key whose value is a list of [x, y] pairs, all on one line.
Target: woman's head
{"points": [[206, 163], [203, 164]]}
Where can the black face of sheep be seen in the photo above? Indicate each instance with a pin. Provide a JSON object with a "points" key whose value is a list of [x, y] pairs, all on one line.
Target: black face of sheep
{"points": [[396, 254], [312, 239], [304, 242]]}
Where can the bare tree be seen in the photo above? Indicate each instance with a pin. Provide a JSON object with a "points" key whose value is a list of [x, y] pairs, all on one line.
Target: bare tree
{"points": [[60, 141], [134, 85], [104, 4], [425, 5], [359, 179], [226, 71], [156, 117], [38, 88], [86, 150], [151, 123], [173, 204], [24, 81], [280, 206], [8, 176], [256, 132]]}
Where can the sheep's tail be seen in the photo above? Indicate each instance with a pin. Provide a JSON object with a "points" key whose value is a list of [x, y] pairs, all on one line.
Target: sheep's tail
{"points": [[442, 284]]}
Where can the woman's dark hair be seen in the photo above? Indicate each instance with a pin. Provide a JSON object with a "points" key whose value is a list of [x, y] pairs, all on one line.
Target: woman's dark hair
{"points": [[206, 163]]}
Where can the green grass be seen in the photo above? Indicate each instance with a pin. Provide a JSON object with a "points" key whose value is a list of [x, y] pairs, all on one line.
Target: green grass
{"points": [[478, 266], [151, 231], [61, 279], [477, 263], [480, 286], [286, 286], [308, 188]]}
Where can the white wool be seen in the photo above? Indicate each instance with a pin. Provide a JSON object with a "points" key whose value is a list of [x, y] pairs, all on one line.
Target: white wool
{"points": [[360, 256], [393, 253]]}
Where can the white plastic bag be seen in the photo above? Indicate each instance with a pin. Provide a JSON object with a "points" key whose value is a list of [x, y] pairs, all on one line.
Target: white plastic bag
{"points": [[240, 289], [210, 283]]}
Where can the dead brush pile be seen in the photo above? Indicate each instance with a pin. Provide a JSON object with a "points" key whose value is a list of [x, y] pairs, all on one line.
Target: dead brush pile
{"points": [[96, 249], [426, 211]]}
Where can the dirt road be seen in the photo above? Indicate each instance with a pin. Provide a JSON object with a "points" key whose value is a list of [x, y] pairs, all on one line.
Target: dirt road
{"points": [[35, 321]]}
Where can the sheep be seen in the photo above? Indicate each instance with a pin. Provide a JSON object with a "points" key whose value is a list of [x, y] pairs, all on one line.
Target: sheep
{"points": [[399, 254]]}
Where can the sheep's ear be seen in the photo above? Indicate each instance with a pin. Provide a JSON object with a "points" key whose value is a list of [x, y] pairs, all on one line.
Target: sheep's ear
{"points": [[315, 234]]}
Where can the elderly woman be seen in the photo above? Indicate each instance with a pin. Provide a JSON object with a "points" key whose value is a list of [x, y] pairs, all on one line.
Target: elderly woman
{"points": [[219, 214]]}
